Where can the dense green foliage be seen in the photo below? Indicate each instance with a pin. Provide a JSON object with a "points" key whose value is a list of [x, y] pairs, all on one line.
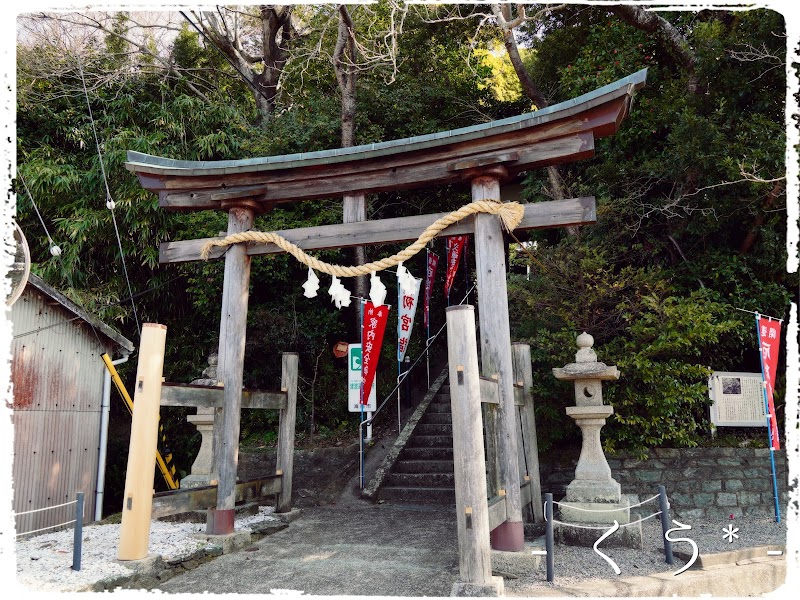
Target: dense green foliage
{"points": [[655, 280], [674, 252]]}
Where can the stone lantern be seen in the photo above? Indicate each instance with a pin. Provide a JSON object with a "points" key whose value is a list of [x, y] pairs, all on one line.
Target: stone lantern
{"points": [[204, 421], [593, 488]]}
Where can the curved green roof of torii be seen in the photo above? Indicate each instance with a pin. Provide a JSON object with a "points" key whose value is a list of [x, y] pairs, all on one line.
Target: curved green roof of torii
{"points": [[431, 158]]}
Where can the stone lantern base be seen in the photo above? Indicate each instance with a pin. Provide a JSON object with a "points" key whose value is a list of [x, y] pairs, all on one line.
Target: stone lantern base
{"points": [[627, 536]]}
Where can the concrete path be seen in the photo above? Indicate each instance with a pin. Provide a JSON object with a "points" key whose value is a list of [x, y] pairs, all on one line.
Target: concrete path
{"points": [[354, 550]]}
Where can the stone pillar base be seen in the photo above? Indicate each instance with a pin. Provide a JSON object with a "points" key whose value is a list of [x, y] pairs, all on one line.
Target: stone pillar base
{"points": [[493, 589], [625, 537], [577, 512], [517, 564], [591, 490]]}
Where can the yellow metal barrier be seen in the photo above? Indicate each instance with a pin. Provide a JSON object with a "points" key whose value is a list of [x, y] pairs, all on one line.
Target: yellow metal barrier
{"points": [[166, 471]]}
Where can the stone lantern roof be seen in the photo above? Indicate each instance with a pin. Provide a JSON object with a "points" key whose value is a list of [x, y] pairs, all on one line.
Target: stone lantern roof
{"points": [[586, 365]]}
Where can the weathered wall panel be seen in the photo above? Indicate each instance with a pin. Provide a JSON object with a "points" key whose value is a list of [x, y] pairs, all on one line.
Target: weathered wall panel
{"points": [[57, 374]]}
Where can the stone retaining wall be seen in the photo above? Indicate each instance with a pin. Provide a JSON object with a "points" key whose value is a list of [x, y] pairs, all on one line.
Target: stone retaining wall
{"points": [[700, 482]]}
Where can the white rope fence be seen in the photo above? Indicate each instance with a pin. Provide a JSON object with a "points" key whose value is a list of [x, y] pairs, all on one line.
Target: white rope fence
{"points": [[663, 512], [77, 522], [605, 527]]}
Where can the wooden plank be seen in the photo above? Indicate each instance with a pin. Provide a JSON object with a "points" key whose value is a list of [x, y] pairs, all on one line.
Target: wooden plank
{"points": [[204, 396], [178, 192], [489, 391], [521, 356], [556, 213], [497, 512], [233, 332], [203, 498], [497, 505], [285, 455], [469, 466], [496, 355], [525, 492], [519, 395]]}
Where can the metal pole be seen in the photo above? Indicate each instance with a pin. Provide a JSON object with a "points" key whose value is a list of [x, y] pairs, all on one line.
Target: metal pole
{"points": [[769, 426], [407, 382], [548, 538], [78, 533], [663, 506]]}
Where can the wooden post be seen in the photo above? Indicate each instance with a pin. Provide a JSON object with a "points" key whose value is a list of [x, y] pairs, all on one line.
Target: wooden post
{"points": [[354, 210], [285, 460], [472, 511], [521, 356], [232, 334], [134, 533], [496, 353]]}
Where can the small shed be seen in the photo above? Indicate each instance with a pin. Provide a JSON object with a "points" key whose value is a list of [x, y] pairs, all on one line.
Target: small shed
{"points": [[60, 407]]}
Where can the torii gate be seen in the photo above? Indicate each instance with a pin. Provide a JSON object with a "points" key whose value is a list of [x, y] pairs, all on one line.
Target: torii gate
{"points": [[483, 155]]}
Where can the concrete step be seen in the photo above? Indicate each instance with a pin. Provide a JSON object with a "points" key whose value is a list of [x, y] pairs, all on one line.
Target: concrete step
{"points": [[439, 407], [418, 495], [440, 398], [430, 441], [434, 429], [432, 417], [422, 480], [427, 454], [423, 466], [445, 389]]}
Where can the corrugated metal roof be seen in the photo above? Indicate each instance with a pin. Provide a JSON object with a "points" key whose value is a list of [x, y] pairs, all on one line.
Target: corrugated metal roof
{"points": [[108, 331]]}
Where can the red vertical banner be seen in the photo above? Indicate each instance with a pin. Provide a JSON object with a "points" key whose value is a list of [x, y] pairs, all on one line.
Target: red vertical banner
{"points": [[433, 262], [371, 340], [455, 244], [769, 344]]}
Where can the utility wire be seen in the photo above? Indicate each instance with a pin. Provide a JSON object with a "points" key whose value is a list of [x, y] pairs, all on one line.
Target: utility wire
{"points": [[109, 200], [53, 245]]}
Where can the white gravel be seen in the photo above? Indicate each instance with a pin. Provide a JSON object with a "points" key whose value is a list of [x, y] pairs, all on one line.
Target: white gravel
{"points": [[44, 562], [573, 564]]}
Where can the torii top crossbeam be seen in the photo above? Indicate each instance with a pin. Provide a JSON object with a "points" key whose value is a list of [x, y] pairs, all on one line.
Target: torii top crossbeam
{"points": [[560, 133]]}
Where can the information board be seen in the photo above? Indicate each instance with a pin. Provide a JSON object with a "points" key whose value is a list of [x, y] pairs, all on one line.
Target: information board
{"points": [[737, 399], [354, 382]]}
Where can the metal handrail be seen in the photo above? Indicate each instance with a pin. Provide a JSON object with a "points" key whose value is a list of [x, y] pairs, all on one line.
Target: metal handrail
{"points": [[400, 379]]}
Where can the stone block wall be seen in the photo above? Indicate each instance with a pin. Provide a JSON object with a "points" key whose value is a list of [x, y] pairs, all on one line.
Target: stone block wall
{"points": [[700, 482]]}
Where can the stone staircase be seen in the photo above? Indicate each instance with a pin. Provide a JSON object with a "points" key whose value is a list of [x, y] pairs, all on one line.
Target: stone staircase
{"points": [[423, 471]]}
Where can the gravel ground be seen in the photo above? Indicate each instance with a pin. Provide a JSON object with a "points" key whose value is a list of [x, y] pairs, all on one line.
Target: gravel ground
{"points": [[573, 564], [44, 562]]}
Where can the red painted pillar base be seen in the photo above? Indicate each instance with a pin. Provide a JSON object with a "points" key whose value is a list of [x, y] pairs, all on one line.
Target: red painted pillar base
{"points": [[220, 522], [508, 536]]}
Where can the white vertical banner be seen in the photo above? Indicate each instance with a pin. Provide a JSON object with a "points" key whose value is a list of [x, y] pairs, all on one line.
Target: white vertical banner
{"points": [[405, 318]]}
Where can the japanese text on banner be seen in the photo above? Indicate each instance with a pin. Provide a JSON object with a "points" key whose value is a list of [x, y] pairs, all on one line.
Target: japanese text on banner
{"points": [[371, 340], [769, 342], [455, 244], [433, 261], [405, 319]]}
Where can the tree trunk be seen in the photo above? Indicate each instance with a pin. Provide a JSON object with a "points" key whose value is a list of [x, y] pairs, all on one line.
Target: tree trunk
{"points": [[354, 208]]}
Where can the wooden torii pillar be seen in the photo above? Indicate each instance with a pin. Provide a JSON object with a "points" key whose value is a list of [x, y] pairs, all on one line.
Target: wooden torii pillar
{"points": [[483, 155]]}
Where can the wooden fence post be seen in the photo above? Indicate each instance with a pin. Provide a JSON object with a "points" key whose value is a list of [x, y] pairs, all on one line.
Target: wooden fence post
{"points": [[523, 373], [472, 511], [286, 426], [134, 532]]}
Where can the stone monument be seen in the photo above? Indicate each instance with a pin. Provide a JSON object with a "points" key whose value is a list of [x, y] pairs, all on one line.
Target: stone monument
{"points": [[593, 497], [204, 421]]}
